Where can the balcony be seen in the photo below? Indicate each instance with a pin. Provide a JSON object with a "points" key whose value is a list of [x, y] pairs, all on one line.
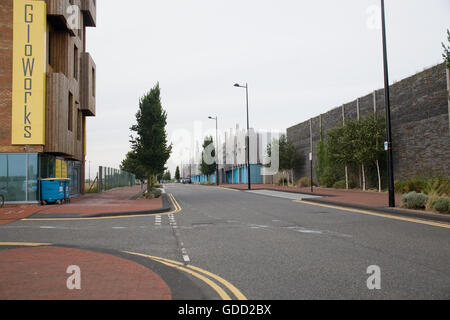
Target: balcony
{"points": [[89, 9], [58, 14], [87, 85], [58, 139]]}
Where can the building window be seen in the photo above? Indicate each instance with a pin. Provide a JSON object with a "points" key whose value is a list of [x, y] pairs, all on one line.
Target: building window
{"points": [[79, 126], [49, 51], [47, 166], [70, 113], [75, 63], [19, 177], [93, 82]]}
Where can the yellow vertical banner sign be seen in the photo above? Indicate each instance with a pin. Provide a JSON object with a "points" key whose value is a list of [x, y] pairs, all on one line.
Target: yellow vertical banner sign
{"points": [[64, 169], [58, 168], [29, 68]]}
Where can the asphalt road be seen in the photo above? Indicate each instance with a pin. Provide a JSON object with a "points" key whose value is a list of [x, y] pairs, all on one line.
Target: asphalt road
{"points": [[272, 247]]}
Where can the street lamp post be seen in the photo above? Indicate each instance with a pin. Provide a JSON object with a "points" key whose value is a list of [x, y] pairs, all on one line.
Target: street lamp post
{"points": [[388, 113], [217, 149], [237, 85]]}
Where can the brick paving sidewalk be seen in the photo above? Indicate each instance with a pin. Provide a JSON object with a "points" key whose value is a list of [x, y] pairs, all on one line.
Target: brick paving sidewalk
{"points": [[355, 197], [114, 201], [9, 214], [40, 273]]}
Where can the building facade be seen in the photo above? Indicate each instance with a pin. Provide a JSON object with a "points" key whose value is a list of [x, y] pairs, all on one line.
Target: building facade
{"points": [[47, 89], [420, 110], [232, 159]]}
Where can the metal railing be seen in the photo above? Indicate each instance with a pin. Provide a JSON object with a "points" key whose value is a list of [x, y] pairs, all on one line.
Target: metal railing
{"points": [[109, 178]]}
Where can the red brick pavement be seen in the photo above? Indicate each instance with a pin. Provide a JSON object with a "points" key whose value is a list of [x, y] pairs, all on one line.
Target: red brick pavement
{"points": [[113, 201], [10, 214], [39, 273], [368, 198]]}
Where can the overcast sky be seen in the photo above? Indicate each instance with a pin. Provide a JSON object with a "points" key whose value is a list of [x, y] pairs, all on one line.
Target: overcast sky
{"points": [[300, 58]]}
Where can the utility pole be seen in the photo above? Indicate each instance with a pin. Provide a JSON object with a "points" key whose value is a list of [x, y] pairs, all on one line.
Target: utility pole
{"points": [[248, 136], [388, 146]]}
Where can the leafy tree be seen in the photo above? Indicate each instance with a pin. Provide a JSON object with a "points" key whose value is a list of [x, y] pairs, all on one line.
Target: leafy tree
{"points": [[167, 176], [150, 144], [446, 54], [177, 174], [291, 159], [355, 143], [369, 145], [130, 164], [328, 172], [322, 158], [340, 147], [209, 153], [288, 157]]}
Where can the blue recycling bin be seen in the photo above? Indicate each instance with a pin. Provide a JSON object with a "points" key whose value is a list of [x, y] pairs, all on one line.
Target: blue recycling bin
{"points": [[54, 190], [66, 190]]}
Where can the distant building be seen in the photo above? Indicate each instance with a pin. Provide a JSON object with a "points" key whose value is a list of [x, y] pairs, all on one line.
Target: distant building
{"points": [[47, 89], [232, 158]]}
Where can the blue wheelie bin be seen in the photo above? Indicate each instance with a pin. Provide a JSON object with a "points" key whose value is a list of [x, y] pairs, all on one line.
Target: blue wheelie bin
{"points": [[53, 190], [66, 190]]}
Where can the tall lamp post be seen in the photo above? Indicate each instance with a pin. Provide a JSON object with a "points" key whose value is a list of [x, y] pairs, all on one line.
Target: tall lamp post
{"points": [[237, 85], [217, 149], [388, 113]]}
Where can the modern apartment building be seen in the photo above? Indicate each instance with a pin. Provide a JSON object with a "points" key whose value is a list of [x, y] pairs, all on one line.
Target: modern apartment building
{"points": [[47, 89], [233, 159]]}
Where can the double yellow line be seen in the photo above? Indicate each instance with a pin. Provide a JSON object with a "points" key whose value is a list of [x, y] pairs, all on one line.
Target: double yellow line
{"points": [[23, 244], [175, 204], [214, 281], [217, 283], [371, 213]]}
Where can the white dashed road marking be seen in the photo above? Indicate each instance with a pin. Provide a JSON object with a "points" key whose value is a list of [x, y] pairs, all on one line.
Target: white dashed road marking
{"points": [[158, 221], [184, 253]]}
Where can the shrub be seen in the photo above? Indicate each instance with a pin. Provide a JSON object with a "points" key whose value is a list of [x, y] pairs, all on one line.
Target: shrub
{"points": [[431, 201], [442, 205], [304, 182], [416, 184], [414, 200], [282, 181], [341, 184], [156, 193], [433, 186], [329, 177], [438, 186], [399, 187]]}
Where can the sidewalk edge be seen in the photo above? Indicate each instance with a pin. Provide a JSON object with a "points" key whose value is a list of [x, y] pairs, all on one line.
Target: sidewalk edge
{"points": [[286, 191], [165, 208], [385, 210]]}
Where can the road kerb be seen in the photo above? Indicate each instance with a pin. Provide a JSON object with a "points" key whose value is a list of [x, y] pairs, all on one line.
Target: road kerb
{"points": [[177, 209], [372, 213]]}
